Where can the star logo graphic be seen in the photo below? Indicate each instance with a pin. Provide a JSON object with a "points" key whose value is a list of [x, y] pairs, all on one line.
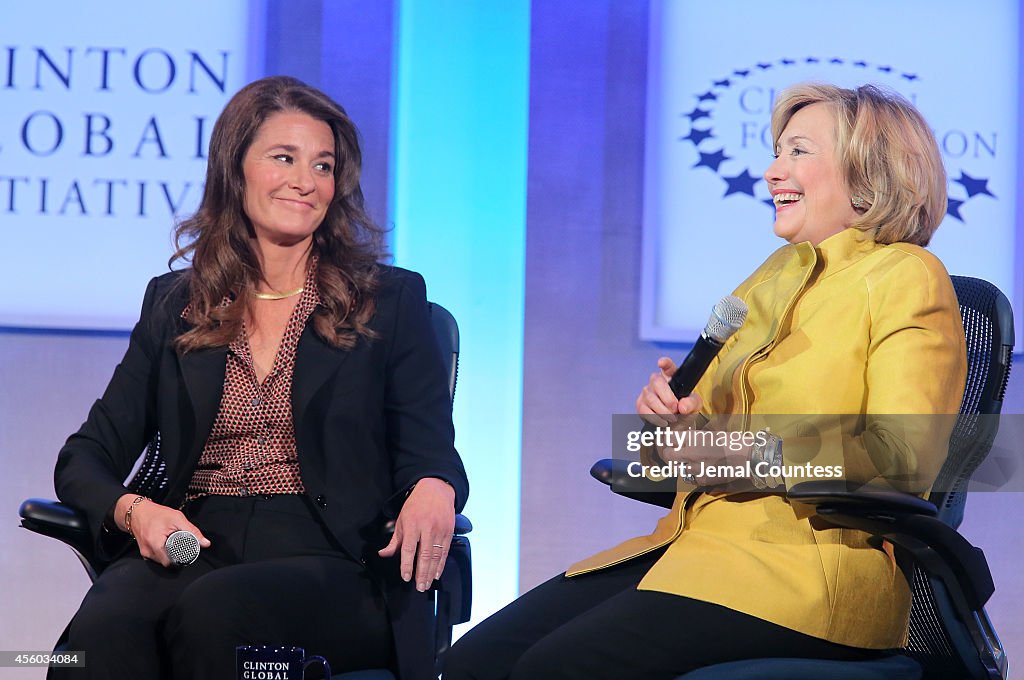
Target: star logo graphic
{"points": [[712, 160], [974, 185], [709, 101], [697, 114], [697, 136], [742, 183], [953, 208]]}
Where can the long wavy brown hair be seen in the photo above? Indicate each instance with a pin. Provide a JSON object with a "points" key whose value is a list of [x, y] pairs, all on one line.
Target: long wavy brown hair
{"points": [[219, 239]]}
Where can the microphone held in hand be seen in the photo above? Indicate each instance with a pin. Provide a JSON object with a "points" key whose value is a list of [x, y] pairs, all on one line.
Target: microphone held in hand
{"points": [[182, 547], [726, 318]]}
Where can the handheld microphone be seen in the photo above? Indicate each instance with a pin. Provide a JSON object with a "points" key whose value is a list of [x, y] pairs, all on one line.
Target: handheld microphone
{"points": [[726, 318], [182, 547]]}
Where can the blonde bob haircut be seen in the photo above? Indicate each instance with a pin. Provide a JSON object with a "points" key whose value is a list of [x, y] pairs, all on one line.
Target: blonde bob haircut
{"points": [[888, 156]]}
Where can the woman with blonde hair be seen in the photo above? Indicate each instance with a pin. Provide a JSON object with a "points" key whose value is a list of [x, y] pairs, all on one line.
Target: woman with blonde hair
{"points": [[853, 317]]}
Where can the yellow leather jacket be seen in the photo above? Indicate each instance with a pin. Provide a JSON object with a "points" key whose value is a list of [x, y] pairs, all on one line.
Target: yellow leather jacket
{"points": [[849, 327]]}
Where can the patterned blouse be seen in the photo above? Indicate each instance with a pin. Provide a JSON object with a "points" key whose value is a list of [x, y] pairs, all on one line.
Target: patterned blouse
{"points": [[251, 448]]}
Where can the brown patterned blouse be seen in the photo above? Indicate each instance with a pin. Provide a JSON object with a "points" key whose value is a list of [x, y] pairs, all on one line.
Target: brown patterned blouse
{"points": [[251, 448]]}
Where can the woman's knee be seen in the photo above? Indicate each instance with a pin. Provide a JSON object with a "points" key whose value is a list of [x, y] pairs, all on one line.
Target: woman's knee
{"points": [[465, 664], [204, 611], [98, 627], [119, 640], [459, 663], [540, 661], [110, 616], [480, 655], [475, 657]]}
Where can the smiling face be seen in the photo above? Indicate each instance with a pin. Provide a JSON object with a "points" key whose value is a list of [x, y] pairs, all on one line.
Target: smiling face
{"points": [[289, 177], [806, 182]]}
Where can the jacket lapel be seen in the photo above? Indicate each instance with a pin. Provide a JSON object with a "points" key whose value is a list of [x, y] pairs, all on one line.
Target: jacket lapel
{"points": [[315, 362], [202, 372], [203, 375]]}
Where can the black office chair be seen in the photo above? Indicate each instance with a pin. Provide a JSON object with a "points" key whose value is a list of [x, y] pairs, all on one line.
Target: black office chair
{"points": [[452, 592], [950, 633]]}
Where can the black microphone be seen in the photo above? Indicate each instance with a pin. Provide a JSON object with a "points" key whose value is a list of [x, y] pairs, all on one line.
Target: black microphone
{"points": [[182, 547], [726, 318]]}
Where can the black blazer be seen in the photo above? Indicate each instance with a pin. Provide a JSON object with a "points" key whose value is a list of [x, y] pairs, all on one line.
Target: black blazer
{"points": [[369, 422]]}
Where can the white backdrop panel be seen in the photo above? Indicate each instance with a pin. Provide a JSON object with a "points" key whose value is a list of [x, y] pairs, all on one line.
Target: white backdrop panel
{"points": [[106, 110]]}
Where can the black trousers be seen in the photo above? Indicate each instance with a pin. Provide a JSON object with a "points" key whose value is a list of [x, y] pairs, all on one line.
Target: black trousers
{"points": [[600, 627], [273, 575]]}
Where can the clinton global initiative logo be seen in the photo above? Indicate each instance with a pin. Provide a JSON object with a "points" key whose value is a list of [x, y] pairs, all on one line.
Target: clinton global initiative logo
{"points": [[729, 126]]}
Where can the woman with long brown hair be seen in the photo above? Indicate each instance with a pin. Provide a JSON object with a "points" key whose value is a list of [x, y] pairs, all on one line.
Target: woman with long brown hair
{"points": [[297, 394]]}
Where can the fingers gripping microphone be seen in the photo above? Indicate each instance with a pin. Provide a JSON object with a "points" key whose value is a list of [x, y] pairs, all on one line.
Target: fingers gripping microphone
{"points": [[182, 547], [726, 318]]}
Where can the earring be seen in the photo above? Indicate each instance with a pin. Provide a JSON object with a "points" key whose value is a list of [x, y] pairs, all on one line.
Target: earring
{"points": [[857, 201]]}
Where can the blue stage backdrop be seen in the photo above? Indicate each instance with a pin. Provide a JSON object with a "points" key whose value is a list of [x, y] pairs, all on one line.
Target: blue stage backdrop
{"points": [[106, 108], [105, 119]]}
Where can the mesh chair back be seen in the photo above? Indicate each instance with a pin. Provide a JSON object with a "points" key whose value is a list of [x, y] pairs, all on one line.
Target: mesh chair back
{"points": [[150, 478], [988, 325], [936, 641], [447, 332]]}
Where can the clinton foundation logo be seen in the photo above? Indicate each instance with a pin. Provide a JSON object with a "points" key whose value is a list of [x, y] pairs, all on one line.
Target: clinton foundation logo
{"points": [[727, 131]]}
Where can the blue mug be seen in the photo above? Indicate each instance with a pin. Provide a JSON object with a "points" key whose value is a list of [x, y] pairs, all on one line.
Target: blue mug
{"points": [[275, 662]]}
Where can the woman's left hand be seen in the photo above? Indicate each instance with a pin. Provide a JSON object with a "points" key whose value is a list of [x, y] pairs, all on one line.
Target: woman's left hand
{"points": [[423, 531], [710, 460]]}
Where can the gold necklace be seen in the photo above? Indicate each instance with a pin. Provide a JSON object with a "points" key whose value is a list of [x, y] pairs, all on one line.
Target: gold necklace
{"points": [[278, 296]]}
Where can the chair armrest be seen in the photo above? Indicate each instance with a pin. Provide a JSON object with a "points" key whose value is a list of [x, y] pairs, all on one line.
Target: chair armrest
{"points": [[462, 526], [457, 583], [909, 522], [613, 472], [52, 516], [65, 523], [873, 498]]}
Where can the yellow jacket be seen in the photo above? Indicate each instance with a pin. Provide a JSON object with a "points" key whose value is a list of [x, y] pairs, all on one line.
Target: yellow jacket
{"points": [[850, 327]]}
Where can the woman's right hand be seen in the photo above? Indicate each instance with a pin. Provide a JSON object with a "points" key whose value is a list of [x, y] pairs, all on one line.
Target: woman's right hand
{"points": [[152, 523], [657, 404]]}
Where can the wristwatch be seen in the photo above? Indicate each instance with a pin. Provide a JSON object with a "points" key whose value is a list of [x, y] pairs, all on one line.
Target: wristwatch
{"points": [[767, 449]]}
